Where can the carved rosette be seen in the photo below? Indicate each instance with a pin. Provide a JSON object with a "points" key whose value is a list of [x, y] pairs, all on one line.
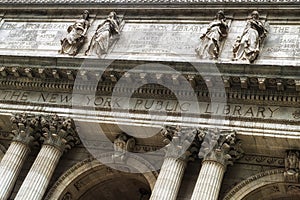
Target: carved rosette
{"points": [[220, 146], [67, 196], [182, 142], [291, 161], [122, 144], [59, 132], [26, 128]]}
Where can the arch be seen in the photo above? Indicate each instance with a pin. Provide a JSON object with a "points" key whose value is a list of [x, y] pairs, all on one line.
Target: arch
{"points": [[73, 177], [255, 182]]}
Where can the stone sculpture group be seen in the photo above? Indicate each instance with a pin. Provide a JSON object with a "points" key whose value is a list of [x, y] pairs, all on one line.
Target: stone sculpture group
{"points": [[101, 40], [246, 47]]}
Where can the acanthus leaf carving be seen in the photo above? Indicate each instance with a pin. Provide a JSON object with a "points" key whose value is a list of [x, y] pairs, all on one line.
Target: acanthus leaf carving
{"points": [[59, 132], [182, 142], [26, 128], [221, 146]]}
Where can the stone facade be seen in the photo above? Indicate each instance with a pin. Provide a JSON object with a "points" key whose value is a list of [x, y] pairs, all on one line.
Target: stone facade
{"points": [[149, 99]]}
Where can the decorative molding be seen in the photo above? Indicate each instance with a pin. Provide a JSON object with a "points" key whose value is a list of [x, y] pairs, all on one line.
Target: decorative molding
{"points": [[252, 179], [296, 114], [261, 160], [151, 2], [64, 79], [68, 177], [67, 196]]}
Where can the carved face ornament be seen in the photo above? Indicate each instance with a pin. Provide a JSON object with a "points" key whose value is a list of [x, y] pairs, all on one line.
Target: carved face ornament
{"points": [[255, 15]]}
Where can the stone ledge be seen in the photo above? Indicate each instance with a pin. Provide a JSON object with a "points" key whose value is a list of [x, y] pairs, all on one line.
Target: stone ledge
{"points": [[151, 2]]}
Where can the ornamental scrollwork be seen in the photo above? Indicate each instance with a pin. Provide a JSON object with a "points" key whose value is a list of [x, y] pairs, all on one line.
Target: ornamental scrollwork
{"points": [[296, 114]]}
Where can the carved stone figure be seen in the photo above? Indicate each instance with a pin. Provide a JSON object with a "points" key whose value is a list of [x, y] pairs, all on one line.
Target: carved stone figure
{"points": [[74, 40], [291, 173], [247, 46], [210, 41], [102, 39], [122, 144]]}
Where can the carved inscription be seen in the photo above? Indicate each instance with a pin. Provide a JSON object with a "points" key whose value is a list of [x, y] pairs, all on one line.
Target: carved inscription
{"points": [[32, 35], [153, 105], [159, 38], [284, 42]]}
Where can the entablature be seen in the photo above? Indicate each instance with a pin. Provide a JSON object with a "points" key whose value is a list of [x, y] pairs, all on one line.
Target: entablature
{"points": [[236, 79]]}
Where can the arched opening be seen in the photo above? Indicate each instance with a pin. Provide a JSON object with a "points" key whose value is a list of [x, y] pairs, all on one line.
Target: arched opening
{"points": [[275, 191], [89, 180], [261, 186], [120, 186]]}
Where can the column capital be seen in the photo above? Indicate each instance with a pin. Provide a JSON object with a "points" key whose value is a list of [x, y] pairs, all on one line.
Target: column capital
{"points": [[220, 146], [182, 142], [26, 128], [122, 144], [59, 132]]}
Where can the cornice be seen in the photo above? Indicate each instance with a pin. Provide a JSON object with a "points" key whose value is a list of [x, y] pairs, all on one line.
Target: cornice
{"points": [[281, 90], [48, 77], [150, 2]]}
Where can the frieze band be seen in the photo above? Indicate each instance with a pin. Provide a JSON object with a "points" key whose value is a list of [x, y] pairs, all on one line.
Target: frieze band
{"points": [[246, 47]]}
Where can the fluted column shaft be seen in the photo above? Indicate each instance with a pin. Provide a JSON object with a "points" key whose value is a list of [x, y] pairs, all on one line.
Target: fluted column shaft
{"points": [[209, 181], [169, 179], [38, 178], [10, 167]]}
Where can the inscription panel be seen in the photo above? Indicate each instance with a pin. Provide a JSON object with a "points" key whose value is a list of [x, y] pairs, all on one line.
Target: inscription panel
{"points": [[160, 38], [283, 41], [32, 35], [153, 105]]}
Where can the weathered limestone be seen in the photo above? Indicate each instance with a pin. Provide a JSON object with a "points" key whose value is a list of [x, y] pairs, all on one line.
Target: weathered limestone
{"points": [[218, 150], [291, 161], [23, 129], [122, 144], [169, 179], [172, 170], [59, 134]]}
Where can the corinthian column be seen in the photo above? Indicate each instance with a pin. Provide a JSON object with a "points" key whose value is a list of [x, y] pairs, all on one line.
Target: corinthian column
{"points": [[218, 150], [24, 132], [179, 150], [59, 134]]}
